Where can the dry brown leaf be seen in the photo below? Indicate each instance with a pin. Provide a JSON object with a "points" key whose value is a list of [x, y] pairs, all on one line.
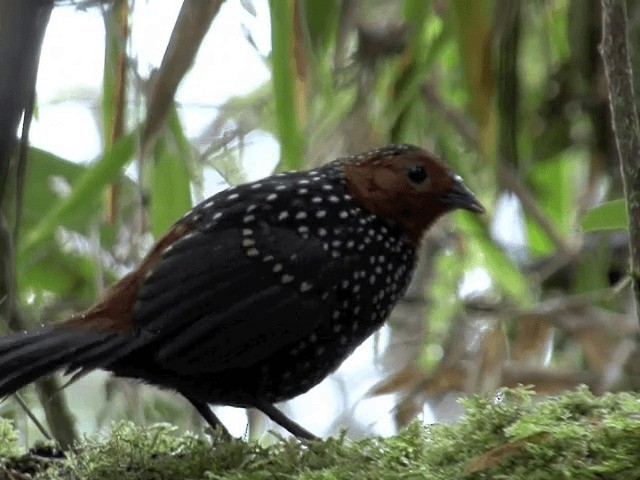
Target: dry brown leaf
{"points": [[533, 340], [493, 354], [445, 380], [118, 32], [407, 410], [494, 456], [404, 379], [596, 348]]}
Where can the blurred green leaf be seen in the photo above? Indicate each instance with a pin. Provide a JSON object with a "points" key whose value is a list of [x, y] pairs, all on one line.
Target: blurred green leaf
{"points": [[84, 191], [170, 188], [321, 18], [501, 268], [54, 277], [411, 75], [179, 137], [62, 274], [43, 170], [557, 30], [592, 271], [475, 37], [607, 216], [554, 186], [443, 286], [284, 80]]}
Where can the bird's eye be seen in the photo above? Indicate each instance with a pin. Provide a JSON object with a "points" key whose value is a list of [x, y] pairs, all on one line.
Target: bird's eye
{"points": [[417, 174]]}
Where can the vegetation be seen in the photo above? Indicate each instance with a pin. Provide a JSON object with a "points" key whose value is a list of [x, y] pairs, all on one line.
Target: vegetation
{"points": [[510, 93]]}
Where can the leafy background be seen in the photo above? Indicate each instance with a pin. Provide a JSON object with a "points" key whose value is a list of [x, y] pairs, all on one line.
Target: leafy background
{"points": [[510, 93]]}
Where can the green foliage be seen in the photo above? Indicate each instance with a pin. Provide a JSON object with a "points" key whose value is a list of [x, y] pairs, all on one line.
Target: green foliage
{"points": [[503, 269], [170, 181], [286, 82], [556, 191], [321, 18], [9, 446], [170, 195], [74, 205], [606, 216], [105, 170], [39, 196]]}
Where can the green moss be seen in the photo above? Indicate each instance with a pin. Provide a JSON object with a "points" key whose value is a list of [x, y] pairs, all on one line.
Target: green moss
{"points": [[8, 439], [510, 436]]}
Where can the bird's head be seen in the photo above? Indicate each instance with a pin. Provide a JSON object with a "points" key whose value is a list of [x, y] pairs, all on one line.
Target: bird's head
{"points": [[408, 185]]}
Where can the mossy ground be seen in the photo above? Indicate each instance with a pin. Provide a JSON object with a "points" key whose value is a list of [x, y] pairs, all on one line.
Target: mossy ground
{"points": [[574, 435]]}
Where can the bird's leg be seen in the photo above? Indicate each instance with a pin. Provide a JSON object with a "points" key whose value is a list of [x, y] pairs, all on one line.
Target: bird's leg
{"points": [[206, 412], [285, 422]]}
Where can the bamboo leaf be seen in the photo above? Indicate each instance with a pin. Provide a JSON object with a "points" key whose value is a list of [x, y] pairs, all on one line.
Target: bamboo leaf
{"points": [[551, 182], [607, 216], [192, 24], [284, 84], [91, 181], [475, 39], [43, 169], [321, 18], [170, 188]]}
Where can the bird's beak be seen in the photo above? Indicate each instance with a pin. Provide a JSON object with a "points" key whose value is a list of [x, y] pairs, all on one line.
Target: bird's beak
{"points": [[461, 197]]}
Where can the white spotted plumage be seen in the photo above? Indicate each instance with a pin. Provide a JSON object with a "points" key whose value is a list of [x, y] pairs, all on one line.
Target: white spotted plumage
{"points": [[319, 210]]}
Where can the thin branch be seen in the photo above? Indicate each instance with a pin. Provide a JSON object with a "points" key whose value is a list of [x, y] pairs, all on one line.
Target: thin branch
{"points": [[43, 430], [510, 180], [192, 24], [57, 412], [451, 115], [617, 67], [117, 27]]}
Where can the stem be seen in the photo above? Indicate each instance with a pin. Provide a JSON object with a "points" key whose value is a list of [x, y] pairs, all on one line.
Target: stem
{"points": [[617, 66]]}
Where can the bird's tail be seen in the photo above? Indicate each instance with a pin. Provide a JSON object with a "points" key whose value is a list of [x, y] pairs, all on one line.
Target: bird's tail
{"points": [[25, 357]]}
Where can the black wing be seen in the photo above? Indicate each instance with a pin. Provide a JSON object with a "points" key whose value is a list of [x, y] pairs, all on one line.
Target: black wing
{"points": [[209, 305]]}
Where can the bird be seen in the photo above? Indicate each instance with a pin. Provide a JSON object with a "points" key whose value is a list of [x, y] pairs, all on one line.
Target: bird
{"points": [[259, 292]]}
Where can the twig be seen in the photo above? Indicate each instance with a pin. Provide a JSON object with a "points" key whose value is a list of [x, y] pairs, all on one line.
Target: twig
{"points": [[582, 299], [346, 20], [56, 410], [530, 205], [18, 398], [451, 115], [188, 32], [117, 28], [617, 67], [21, 169]]}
